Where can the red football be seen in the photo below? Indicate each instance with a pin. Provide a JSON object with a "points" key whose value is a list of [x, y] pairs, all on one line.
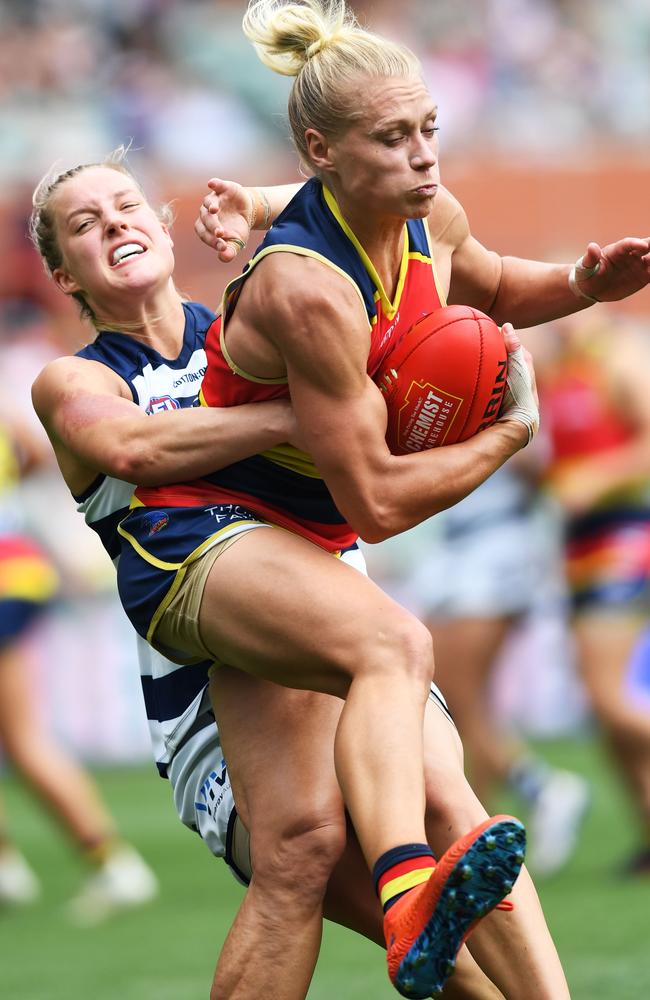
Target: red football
{"points": [[444, 380]]}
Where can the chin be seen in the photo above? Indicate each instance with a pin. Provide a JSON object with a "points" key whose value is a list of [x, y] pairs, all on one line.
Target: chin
{"points": [[421, 210]]}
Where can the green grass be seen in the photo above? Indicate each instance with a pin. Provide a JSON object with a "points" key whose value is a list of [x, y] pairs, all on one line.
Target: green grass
{"points": [[167, 950]]}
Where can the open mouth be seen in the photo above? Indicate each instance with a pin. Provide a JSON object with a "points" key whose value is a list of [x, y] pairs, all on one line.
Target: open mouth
{"points": [[125, 252]]}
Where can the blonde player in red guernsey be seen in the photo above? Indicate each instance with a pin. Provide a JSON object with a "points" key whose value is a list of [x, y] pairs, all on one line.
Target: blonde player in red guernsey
{"points": [[596, 398], [216, 576]]}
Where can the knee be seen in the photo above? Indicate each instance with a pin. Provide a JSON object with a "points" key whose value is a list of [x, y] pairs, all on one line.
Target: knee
{"points": [[296, 861], [403, 646]]}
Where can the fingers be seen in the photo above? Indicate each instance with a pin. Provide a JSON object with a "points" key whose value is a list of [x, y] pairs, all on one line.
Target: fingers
{"points": [[211, 204], [218, 185], [591, 256], [208, 234], [510, 337]]}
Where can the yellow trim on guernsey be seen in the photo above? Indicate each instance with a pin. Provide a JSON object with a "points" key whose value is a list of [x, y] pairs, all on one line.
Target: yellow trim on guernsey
{"points": [[404, 882], [278, 248], [390, 308], [441, 294], [291, 458]]}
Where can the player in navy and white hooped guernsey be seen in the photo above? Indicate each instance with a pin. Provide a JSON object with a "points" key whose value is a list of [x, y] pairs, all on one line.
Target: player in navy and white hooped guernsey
{"points": [[173, 696], [181, 723]]}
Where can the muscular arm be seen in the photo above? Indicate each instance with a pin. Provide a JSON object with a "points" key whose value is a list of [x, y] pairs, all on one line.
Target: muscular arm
{"points": [[94, 426], [509, 289], [529, 292], [341, 413]]}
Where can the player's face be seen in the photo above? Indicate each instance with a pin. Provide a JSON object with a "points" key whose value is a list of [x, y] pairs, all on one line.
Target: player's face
{"points": [[387, 161], [114, 247]]}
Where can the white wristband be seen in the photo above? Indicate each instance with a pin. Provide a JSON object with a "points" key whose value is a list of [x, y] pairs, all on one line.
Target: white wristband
{"points": [[580, 273]]}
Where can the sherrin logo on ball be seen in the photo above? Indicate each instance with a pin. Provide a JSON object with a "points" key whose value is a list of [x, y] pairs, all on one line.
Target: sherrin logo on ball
{"points": [[444, 380]]}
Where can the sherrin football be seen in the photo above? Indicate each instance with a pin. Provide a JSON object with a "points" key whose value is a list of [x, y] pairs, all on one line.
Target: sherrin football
{"points": [[444, 380]]}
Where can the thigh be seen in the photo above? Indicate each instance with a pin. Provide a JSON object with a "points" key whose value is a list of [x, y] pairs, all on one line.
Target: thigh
{"points": [[279, 745], [277, 606]]}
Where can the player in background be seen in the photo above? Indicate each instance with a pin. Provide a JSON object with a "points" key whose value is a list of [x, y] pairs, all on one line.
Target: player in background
{"points": [[119, 878], [475, 574], [596, 396], [94, 408], [262, 599]]}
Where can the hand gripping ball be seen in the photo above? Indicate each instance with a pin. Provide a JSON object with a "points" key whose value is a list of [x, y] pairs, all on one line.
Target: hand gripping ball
{"points": [[444, 380]]}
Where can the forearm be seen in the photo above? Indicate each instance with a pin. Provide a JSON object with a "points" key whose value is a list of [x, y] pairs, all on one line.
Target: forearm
{"points": [[531, 292], [407, 489], [181, 445]]}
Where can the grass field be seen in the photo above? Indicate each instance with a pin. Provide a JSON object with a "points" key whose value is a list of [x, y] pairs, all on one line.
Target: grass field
{"points": [[167, 950]]}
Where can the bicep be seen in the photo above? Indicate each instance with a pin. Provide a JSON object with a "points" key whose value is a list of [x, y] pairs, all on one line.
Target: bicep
{"points": [[324, 339], [342, 417], [83, 410], [475, 275]]}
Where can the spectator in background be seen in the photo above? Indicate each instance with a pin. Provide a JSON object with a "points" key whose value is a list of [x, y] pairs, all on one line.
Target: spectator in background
{"points": [[119, 878], [596, 403]]}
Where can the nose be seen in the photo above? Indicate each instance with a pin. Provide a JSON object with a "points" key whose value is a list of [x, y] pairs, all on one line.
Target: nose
{"points": [[114, 222], [423, 153]]}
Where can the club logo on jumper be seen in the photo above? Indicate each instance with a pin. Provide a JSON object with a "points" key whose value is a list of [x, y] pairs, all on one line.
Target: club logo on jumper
{"points": [[426, 416], [155, 520], [159, 403]]}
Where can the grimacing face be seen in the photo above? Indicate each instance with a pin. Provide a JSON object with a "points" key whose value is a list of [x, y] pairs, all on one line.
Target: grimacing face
{"points": [[387, 160], [113, 245]]}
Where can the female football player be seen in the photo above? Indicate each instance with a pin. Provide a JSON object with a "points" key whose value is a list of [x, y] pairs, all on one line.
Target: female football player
{"points": [[346, 273]]}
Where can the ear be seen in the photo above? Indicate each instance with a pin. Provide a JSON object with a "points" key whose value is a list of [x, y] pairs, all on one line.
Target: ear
{"points": [[167, 233], [319, 149], [65, 281]]}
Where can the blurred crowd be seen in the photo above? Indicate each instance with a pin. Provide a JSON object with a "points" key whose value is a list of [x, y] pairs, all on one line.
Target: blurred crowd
{"points": [[155, 69]]}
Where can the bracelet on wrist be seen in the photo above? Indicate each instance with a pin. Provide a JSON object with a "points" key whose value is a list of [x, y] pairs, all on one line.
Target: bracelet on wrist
{"points": [[266, 209]]}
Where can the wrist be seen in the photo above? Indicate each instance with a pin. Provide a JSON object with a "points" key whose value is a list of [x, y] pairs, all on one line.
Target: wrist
{"points": [[580, 273], [515, 432], [260, 216]]}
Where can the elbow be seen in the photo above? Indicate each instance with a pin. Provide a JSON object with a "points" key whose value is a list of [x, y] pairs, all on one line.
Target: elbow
{"points": [[377, 522], [133, 462], [373, 535]]}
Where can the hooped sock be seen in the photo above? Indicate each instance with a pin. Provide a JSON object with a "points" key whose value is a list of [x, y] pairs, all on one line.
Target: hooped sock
{"points": [[401, 869]]}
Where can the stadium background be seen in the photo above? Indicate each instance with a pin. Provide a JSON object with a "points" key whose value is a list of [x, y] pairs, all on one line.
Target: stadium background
{"points": [[545, 116]]}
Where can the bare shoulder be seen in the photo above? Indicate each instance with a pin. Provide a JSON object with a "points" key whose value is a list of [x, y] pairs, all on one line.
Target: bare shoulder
{"points": [[305, 279], [297, 294], [70, 376], [447, 222]]}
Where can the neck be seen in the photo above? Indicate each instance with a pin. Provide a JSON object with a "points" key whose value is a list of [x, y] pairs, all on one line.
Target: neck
{"points": [[381, 238], [157, 321]]}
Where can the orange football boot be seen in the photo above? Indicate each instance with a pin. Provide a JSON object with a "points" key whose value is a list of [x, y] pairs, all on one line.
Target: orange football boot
{"points": [[426, 927]]}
